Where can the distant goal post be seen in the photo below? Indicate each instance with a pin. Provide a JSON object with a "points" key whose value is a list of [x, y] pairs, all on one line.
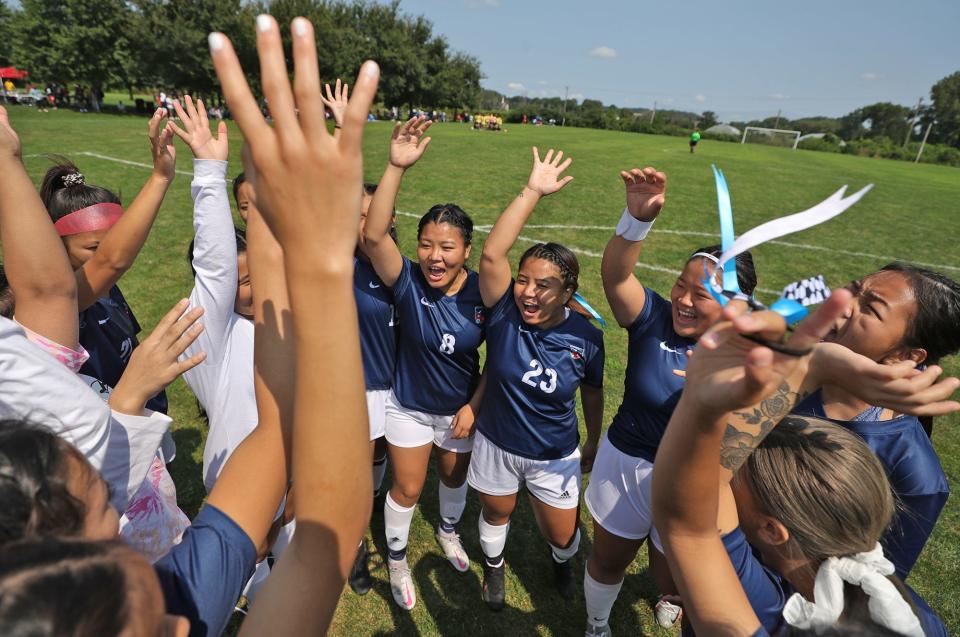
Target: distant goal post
{"points": [[772, 136]]}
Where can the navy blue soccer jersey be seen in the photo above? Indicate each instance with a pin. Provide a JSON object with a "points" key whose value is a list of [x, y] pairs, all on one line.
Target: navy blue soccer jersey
{"points": [[650, 388], [378, 335], [203, 576], [108, 331], [529, 404], [438, 362], [915, 474]]}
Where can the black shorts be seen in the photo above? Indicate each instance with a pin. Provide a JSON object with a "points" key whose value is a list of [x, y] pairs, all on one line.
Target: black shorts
{"points": [[693, 143]]}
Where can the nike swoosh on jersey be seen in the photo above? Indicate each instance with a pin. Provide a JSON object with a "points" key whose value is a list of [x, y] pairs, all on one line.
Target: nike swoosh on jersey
{"points": [[373, 285], [424, 301], [103, 322], [666, 348]]}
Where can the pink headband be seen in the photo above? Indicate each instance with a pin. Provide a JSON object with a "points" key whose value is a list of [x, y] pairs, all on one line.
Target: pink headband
{"points": [[100, 216]]}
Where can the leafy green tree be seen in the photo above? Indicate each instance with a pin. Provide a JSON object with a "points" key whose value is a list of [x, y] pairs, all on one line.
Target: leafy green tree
{"points": [[73, 40], [6, 35], [708, 119], [945, 109]]}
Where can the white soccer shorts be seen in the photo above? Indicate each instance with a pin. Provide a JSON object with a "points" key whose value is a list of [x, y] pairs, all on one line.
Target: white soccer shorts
{"points": [[409, 428], [377, 412]]}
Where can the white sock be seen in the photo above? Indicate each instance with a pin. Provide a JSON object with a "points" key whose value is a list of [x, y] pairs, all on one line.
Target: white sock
{"points": [[600, 599], [562, 555], [493, 538], [452, 502], [379, 470], [396, 522]]}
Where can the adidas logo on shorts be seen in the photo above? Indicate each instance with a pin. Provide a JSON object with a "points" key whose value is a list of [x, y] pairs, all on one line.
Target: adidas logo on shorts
{"points": [[565, 494]]}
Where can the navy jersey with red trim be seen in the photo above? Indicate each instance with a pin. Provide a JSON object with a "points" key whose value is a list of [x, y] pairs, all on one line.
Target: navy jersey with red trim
{"points": [[438, 362], [378, 334], [915, 474], [529, 404], [108, 331], [651, 390]]}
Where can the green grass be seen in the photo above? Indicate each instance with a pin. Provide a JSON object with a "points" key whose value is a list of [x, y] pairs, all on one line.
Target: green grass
{"points": [[912, 213]]}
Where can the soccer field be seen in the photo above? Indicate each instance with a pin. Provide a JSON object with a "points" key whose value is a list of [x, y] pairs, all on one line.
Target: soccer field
{"points": [[913, 214]]}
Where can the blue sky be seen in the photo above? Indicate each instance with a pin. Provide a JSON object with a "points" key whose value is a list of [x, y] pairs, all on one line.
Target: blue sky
{"points": [[741, 59]]}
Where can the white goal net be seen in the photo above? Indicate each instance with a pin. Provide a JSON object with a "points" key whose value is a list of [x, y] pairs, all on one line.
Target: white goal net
{"points": [[771, 136]]}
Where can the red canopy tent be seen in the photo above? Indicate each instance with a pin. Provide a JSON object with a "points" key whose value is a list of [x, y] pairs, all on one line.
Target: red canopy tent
{"points": [[12, 73]]}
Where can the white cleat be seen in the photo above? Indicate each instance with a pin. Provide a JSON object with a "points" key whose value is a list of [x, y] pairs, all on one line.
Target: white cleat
{"points": [[602, 630], [667, 613], [453, 550], [401, 584]]}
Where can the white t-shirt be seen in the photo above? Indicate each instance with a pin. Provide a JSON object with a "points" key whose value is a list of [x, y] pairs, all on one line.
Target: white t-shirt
{"points": [[223, 383], [36, 387]]}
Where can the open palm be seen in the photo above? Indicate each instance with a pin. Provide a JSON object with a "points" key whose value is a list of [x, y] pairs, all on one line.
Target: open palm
{"points": [[545, 175], [196, 131], [336, 100], [161, 145], [646, 190], [408, 144]]}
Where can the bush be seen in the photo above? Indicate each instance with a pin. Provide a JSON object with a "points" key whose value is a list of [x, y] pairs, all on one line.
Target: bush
{"points": [[828, 143], [720, 137]]}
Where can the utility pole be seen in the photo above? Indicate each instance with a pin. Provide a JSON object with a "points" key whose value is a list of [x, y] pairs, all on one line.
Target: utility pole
{"points": [[777, 124], [566, 91], [913, 122], [653, 113], [923, 143]]}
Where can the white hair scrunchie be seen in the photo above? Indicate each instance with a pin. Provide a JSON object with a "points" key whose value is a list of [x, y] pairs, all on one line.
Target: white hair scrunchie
{"points": [[867, 570]]}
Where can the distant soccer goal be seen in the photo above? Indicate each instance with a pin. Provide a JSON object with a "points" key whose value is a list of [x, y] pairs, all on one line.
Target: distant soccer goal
{"points": [[771, 136]]}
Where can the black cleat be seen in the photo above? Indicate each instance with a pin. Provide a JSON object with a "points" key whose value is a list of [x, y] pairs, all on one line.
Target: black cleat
{"points": [[360, 580], [563, 577], [494, 590]]}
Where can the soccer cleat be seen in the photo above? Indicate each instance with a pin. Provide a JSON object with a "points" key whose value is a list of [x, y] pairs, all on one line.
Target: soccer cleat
{"points": [[667, 613], [603, 630], [453, 550], [401, 584], [494, 587], [360, 580], [563, 577]]}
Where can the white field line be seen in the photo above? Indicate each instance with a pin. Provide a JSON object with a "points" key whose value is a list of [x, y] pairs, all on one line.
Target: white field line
{"points": [[692, 233]]}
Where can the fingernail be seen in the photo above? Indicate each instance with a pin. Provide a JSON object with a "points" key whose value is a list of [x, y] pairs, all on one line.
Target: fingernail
{"points": [[370, 69], [263, 23], [215, 40], [300, 26]]}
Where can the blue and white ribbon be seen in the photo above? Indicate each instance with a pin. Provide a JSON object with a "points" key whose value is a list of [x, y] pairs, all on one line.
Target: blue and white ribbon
{"points": [[589, 308]]}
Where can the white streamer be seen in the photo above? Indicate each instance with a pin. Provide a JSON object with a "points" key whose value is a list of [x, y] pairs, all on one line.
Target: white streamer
{"points": [[826, 209]]}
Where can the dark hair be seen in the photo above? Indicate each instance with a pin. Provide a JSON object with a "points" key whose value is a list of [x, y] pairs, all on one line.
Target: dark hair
{"points": [[237, 182], [746, 271], [934, 327], [238, 233], [369, 188], [452, 214], [7, 303], [33, 484], [61, 199], [559, 255], [55, 586]]}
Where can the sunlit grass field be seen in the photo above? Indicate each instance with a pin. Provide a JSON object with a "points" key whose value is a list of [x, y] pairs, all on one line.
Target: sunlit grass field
{"points": [[913, 213]]}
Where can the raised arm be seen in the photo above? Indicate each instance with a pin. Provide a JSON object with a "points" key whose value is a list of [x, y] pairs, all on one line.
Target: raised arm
{"points": [[35, 262], [306, 178], [646, 190], [214, 244], [336, 101], [407, 145], [544, 180], [121, 245]]}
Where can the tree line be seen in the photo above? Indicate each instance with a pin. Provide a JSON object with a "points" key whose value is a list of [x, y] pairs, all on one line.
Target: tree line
{"points": [[162, 44]]}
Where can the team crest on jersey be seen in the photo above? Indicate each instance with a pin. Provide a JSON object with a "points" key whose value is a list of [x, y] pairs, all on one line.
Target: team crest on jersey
{"points": [[576, 352], [479, 315]]}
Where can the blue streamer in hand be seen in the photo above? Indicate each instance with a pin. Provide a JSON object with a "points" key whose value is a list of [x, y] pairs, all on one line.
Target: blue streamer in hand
{"points": [[589, 308]]}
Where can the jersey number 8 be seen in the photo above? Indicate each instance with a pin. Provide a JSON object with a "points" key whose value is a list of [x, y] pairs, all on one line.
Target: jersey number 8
{"points": [[447, 343], [546, 386]]}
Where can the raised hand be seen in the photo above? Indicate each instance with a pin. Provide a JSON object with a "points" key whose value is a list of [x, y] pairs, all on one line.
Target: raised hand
{"points": [[9, 140], [336, 101], [196, 131], [299, 167], [161, 145], [545, 175], [156, 363], [646, 190], [408, 144]]}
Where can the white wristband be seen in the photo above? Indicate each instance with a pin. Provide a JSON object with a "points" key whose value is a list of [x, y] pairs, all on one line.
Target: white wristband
{"points": [[631, 228]]}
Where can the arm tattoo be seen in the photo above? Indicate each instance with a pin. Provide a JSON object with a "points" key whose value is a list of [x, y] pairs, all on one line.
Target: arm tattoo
{"points": [[748, 428]]}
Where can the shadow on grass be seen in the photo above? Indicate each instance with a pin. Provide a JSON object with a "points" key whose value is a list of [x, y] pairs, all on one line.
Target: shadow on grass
{"points": [[185, 471]]}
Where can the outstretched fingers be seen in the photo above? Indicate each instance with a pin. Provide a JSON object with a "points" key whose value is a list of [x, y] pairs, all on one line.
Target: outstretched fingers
{"points": [[274, 80], [243, 106], [364, 90], [306, 79]]}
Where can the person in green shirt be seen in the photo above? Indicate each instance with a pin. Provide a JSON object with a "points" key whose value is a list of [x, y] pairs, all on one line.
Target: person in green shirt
{"points": [[694, 138]]}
